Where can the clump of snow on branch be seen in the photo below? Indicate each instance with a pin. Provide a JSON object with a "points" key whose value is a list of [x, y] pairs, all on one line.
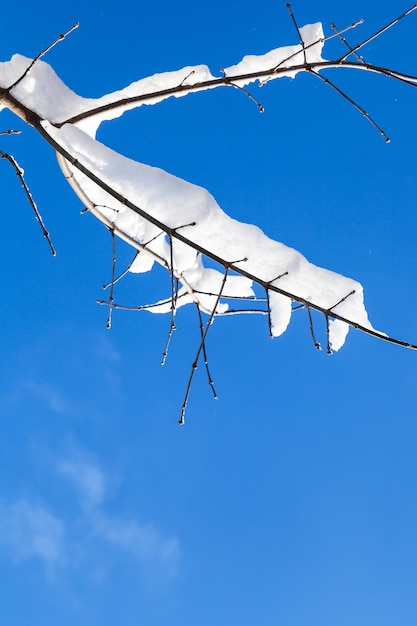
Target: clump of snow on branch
{"points": [[179, 205]]}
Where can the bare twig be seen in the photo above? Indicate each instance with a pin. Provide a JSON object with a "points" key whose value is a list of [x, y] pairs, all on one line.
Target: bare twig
{"points": [[245, 91], [357, 106], [268, 302], [113, 268], [203, 338], [378, 32], [60, 37], [172, 326], [288, 5], [209, 378], [328, 348], [123, 274], [342, 300], [19, 173], [310, 319], [345, 43]]}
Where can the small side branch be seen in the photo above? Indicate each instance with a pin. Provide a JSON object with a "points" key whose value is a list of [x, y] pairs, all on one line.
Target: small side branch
{"points": [[342, 300], [203, 339], [113, 270], [268, 302], [328, 348], [60, 37], [378, 32], [357, 106], [19, 174], [288, 5], [345, 43], [313, 336], [209, 378]]}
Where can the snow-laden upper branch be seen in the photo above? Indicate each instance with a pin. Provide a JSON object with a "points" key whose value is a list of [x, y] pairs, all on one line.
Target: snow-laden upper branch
{"points": [[171, 205], [43, 92]]}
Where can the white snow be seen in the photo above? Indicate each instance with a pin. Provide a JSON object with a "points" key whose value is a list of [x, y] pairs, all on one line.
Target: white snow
{"points": [[285, 57]]}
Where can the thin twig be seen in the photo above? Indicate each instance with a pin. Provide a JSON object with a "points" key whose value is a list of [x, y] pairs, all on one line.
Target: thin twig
{"points": [[268, 302], [113, 269], [143, 307], [316, 343], [203, 338], [288, 5], [172, 326], [209, 378], [60, 37], [19, 173], [123, 274], [345, 43], [328, 348], [342, 300], [357, 106], [378, 32], [245, 91]]}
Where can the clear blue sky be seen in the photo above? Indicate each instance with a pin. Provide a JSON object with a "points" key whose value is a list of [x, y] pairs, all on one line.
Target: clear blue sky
{"points": [[290, 501]]}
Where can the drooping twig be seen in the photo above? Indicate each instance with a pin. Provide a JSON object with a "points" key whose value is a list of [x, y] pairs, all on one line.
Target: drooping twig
{"points": [[328, 348], [245, 91], [357, 106], [113, 270], [203, 338], [268, 303], [19, 173], [310, 319], [172, 326], [174, 290], [209, 378]]}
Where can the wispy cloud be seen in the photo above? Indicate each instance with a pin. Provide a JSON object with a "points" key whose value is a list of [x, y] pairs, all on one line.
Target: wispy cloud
{"points": [[30, 530], [89, 537], [143, 542], [88, 478], [46, 393]]}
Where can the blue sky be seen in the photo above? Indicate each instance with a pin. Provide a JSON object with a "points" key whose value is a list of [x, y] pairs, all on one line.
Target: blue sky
{"points": [[292, 499]]}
